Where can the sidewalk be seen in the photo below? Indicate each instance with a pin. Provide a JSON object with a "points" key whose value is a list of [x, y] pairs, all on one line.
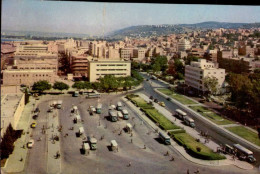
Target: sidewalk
{"points": [[181, 150], [13, 163], [208, 121]]}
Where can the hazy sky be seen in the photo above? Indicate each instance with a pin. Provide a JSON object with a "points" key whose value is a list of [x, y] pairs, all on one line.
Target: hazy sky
{"points": [[96, 18]]}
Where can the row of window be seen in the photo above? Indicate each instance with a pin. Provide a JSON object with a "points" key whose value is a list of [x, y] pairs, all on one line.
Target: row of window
{"points": [[111, 69], [34, 75], [113, 74], [111, 64]]}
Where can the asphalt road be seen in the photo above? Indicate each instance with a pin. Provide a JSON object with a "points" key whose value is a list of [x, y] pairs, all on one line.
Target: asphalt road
{"points": [[150, 160], [200, 126]]}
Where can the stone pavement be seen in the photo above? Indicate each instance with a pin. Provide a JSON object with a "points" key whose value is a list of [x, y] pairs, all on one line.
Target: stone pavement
{"points": [[16, 161], [182, 151], [53, 163]]}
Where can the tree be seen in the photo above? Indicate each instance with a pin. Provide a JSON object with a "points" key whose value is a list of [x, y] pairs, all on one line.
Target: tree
{"points": [[210, 83], [191, 58], [79, 85], [41, 86], [96, 85], [60, 86], [156, 67], [178, 65], [26, 96]]}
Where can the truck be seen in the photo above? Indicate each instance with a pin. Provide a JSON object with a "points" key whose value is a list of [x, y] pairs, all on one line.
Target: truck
{"points": [[113, 116], [76, 94], [243, 153], [165, 138], [93, 143], [189, 121], [99, 108], [180, 114], [92, 110], [119, 106], [125, 114], [58, 105]]}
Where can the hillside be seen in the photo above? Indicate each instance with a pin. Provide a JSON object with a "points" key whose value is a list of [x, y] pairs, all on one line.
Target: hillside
{"points": [[165, 29]]}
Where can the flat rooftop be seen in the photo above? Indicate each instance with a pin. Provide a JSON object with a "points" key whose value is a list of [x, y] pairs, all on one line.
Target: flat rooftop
{"points": [[9, 104]]}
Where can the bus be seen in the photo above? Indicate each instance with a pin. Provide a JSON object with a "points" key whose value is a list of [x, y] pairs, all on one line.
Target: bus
{"points": [[113, 116], [119, 106], [165, 138], [189, 121], [76, 94], [125, 114], [99, 107], [93, 95], [179, 113], [243, 153]]}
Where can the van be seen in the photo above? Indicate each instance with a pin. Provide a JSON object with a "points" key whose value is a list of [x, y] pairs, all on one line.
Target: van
{"points": [[119, 114], [114, 145], [81, 130], [85, 147], [129, 127]]}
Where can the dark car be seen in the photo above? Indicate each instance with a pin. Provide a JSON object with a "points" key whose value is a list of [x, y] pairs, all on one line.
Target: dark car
{"points": [[151, 97], [168, 98], [37, 110], [147, 79], [156, 100]]}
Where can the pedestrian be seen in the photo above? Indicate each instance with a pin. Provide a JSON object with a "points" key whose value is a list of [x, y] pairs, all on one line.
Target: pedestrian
{"points": [[188, 171], [167, 153], [172, 159], [131, 140], [21, 159], [130, 164], [144, 146], [197, 171]]}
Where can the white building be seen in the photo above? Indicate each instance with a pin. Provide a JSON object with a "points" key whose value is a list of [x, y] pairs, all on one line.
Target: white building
{"points": [[100, 68], [183, 45], [195, 73]]}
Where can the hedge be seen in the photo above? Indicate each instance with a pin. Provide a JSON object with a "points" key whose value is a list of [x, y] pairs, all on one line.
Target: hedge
{"points": [[191, 145]]}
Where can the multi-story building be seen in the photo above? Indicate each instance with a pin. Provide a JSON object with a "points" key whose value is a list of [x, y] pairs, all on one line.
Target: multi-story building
{"points": [[79, 66], [197, 71], [183, 45], [27, 77], [139, 54], [100, 68], [126, 53]]}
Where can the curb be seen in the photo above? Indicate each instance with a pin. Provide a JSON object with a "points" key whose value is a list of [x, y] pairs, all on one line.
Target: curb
{"points": [[206, 120]]}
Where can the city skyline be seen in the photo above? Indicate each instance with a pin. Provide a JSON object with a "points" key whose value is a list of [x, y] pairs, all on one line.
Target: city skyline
{"points": [[96, 18]]}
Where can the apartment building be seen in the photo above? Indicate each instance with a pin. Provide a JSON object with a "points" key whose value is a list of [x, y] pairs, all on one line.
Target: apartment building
{"points": [[195, 73], [100, 68]]}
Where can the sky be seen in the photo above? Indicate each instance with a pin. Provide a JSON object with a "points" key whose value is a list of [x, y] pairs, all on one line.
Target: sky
{"points": [[96, 18]]}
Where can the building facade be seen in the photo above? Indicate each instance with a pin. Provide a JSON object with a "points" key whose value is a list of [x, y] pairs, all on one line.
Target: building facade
{"points": [[100, 68], [197, 71]]}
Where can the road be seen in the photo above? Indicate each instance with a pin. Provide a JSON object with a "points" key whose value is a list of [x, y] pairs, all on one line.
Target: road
{"points": [[150, 160], [200, 126]]}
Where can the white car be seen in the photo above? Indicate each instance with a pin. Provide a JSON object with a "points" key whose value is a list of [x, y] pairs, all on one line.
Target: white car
{"points": [[30, 143]]}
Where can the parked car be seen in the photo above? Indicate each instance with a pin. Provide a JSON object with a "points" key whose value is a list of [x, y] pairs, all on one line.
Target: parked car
{"points": [[151, 97], [33, 125], [156, 100], [168, 98]]}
